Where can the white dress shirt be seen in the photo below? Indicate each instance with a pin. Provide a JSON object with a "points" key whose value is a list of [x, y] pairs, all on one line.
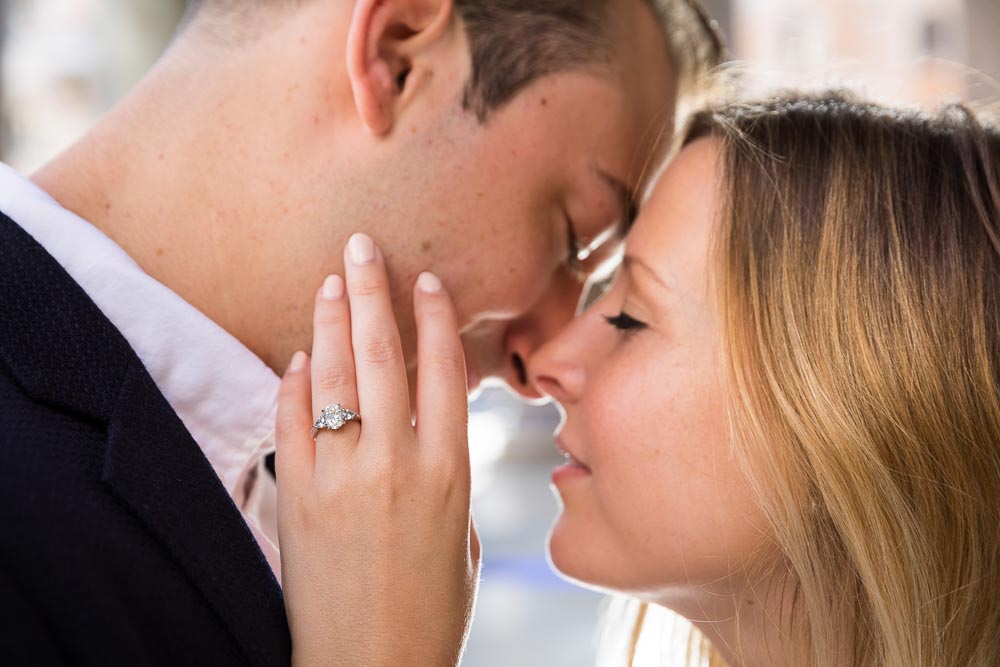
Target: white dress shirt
{"points": [[222, 392]]}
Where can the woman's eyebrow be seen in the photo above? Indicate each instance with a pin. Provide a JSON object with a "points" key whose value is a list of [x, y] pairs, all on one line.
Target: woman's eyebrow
{"points": [[630, 262]]}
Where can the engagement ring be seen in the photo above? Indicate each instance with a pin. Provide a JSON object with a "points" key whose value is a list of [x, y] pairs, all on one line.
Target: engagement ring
{"points": [[334, 418]]}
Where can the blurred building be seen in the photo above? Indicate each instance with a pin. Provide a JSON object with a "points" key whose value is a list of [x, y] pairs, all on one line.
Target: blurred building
{"points": [[982, 20], [913, 51], [65, 62]]}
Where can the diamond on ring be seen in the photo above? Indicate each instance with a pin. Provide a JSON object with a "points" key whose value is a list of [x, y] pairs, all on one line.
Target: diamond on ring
{"points": [[334, 418]]}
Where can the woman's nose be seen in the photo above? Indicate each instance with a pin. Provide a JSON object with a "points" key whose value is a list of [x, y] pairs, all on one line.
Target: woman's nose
{"points": [[562, 384], [557, 369]]}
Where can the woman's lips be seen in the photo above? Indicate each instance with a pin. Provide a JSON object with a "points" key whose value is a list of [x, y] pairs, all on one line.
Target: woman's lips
{"points": [[569, 453], [569, 471], [573, 468]]}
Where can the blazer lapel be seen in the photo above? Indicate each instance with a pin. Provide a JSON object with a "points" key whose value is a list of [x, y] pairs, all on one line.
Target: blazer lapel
{"points": [[156, 469], [65, 353]]}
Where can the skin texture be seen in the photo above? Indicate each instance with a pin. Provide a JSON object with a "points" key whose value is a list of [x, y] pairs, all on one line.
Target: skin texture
{"points": [[237, 170], [656, 507], [364, 581]]}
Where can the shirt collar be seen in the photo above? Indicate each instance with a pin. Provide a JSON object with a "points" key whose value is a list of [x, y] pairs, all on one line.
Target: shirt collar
{"points": [[223, 393]]}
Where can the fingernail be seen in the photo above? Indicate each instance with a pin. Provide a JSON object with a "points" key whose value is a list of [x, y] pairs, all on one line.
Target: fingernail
{"points": [[298, 362], [429, 283], [333, 288], [361, 249]]}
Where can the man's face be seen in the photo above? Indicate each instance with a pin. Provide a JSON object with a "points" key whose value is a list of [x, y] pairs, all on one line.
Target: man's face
{"points": [[559, 170], [492, 206]]}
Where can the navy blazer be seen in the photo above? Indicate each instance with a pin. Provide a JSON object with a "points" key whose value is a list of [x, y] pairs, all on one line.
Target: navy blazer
{"points": [[118, 543]]}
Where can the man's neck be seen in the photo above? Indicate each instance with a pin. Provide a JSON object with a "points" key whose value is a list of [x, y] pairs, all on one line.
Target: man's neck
{"points": [[134, 179], [180, 179]]}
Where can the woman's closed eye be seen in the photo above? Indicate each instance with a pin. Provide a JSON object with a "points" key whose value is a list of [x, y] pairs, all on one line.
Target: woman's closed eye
{"points": [[625, 322]]}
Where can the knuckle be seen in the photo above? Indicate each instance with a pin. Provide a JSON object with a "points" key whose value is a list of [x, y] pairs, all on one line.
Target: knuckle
{"points": [[368, 286], [448, 361], [333, 377], [380, 350], [379, 475], [445, 475], [332, 496], [381, 485], [436, 311], [329, 315]]}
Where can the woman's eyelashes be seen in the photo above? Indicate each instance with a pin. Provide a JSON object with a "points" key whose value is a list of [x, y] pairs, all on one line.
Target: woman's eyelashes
{"points": [[625, 322]]}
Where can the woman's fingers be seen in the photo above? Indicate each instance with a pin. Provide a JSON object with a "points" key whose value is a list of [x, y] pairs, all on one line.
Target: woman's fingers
{"points": [[333, 373], [295, 450], [381, 514], [383, 393], [442, 394]]}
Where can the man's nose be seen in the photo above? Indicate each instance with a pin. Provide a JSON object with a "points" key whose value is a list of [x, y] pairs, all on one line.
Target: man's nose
{"points": [[527, 334]]}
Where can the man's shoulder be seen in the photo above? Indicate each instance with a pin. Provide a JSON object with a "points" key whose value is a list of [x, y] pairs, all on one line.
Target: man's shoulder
{"points": [[42, 446]]}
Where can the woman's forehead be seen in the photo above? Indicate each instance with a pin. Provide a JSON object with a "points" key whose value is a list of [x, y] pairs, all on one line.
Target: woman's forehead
{"points": [[682, 202]]}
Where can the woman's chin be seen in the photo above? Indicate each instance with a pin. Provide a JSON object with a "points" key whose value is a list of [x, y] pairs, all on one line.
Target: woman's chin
{"points": [[576, 555], [567, 552]]}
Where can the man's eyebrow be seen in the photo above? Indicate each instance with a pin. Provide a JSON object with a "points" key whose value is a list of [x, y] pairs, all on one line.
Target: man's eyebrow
{"points": [[626, 200]]}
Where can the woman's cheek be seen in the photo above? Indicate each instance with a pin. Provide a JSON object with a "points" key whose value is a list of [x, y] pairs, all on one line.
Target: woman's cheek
{"points": [[624, 402], [626, 427]]}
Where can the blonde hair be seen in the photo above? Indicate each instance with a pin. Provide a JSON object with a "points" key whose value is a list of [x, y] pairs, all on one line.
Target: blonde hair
{"points": [[858, 267], [858, 272]]}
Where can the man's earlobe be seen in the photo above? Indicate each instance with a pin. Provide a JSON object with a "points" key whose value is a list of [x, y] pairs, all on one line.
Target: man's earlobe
{"points": [[384, 40]]}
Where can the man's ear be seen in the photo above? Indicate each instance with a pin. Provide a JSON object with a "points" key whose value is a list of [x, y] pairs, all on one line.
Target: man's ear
{"points": [[384, 38]]}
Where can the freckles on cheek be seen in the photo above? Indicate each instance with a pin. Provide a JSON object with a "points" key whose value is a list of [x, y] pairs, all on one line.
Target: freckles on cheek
{"points": [[633, 413], [616, 427]]}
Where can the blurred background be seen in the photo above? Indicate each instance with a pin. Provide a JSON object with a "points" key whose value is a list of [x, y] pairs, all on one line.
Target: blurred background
{"points": [[64, 62]]}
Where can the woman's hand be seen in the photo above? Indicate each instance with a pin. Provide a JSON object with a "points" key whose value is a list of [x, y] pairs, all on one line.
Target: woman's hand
{"points": [[380, 559]]}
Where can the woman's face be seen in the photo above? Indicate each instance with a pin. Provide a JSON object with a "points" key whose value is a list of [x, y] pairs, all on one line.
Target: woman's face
{"points": [[653, 503]]}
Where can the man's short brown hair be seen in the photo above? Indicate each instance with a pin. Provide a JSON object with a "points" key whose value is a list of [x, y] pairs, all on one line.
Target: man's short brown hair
{"points": [[516, 42]]}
